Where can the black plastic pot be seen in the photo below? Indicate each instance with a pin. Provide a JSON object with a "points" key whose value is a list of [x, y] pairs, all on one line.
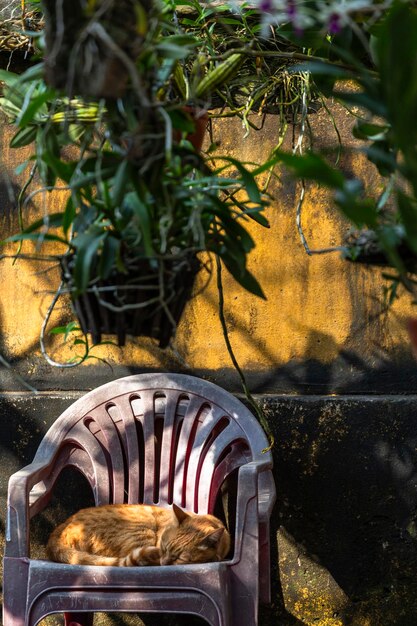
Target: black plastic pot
{"points": [[149, 301], [364, 247]]}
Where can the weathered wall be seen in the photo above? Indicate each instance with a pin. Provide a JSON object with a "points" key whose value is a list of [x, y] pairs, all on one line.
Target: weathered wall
{"points": [[327, 361], [323, 328]]}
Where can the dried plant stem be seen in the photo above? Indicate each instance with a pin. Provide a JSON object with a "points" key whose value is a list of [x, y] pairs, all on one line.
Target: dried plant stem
{"points": [[254, 404], [43, 331], [297, 56], [19, 207]]}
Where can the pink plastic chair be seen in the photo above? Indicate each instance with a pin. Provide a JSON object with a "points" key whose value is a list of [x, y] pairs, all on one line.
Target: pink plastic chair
{"points": [[152, 438]]}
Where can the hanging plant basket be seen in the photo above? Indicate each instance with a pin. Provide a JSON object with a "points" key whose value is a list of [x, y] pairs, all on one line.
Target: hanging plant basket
{"points": [[149, 301], [363, 247], [200, 119]]}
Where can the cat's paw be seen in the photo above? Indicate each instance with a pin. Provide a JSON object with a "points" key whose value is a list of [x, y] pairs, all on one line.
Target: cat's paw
{"points": [[150, 555]]}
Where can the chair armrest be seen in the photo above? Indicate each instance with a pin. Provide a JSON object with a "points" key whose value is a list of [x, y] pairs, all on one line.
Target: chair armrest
{"points": [[266, 495], [247, 513], [17, 520]]}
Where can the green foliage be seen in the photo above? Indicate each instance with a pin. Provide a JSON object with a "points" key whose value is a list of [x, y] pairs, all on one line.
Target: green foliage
{"points": [[72, 334], [373, 73], [137, 188]]}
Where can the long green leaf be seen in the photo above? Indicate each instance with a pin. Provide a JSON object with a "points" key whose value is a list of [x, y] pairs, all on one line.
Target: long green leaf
{"points": [[62, 170], [28, 114], [34, 237], [8, 77], [52, 220], [24, 137], [312, 167], [318, 68], [173, 51], [142, 214], [69, 215], [236, 231], [374, 104], [397, 56], [87, 246], [110, 257], [246, 279], [408, 211], [120, 180], [248, 179]]}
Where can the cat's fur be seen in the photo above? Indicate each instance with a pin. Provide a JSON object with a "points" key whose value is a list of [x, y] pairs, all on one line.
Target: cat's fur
{"points": [[138, 534]]}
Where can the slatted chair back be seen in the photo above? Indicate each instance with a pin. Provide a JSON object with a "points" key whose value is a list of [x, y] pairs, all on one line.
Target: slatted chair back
{"points": [[154, 441]]}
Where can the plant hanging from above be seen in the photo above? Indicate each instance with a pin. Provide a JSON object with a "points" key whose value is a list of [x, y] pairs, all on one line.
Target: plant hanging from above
{"points": [[116, 113], [142, 202]]}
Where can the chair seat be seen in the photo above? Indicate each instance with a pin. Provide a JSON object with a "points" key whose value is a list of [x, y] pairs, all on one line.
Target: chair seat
{"points": [[131, 589], [63, 574]]}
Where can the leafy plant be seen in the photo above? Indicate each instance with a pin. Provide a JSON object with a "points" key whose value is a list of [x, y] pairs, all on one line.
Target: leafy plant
{"points": [[366, 65], [114, 215], [141, 200]]}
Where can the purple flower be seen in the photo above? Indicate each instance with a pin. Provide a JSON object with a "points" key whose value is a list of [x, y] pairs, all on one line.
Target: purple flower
{"points": [[266, 6], [292, 16], [334, 24], [291, 9]]}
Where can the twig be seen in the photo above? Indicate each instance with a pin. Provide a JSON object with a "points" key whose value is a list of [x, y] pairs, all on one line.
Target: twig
{"points": [[258, 409], [42, 335], [298, 56], [42, 190]]}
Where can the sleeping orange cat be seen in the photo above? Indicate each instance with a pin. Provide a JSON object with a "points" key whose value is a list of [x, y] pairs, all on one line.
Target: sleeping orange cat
{"points": [[138, 534]]}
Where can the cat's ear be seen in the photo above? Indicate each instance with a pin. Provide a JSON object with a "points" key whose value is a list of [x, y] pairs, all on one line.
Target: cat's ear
{"points": [[179, 513], [212, 540]]}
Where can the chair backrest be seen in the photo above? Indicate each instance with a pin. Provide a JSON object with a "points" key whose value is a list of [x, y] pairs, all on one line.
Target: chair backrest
{"points": [[156, 439]]}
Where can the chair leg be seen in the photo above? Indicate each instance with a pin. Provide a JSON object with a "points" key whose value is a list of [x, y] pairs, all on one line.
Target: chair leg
{"points": [[11, 619], [265, 564], [15, 583], [245, 612], [78, 619]]}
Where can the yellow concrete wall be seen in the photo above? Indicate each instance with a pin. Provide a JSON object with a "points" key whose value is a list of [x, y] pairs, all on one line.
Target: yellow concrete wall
{"points": [[318, 307]]}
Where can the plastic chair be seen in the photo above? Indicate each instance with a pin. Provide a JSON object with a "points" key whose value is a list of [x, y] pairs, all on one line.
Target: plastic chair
{"points": [[152, 438]]}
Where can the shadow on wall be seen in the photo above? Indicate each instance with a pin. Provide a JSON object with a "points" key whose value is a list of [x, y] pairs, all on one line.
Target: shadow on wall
{"points": [[362, 364], [346, 474], [16, 372]]}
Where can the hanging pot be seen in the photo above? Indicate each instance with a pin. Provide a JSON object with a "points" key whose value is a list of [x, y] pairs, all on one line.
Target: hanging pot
{"points": [[200, 119], [149, 301]]}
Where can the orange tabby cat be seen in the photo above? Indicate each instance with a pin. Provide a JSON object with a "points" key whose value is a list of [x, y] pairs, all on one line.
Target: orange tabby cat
{"points": [[138, 534]]}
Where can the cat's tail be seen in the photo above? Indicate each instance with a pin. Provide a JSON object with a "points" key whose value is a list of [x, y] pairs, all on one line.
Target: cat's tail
{"points": [[139, 556], [79, 557]]}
